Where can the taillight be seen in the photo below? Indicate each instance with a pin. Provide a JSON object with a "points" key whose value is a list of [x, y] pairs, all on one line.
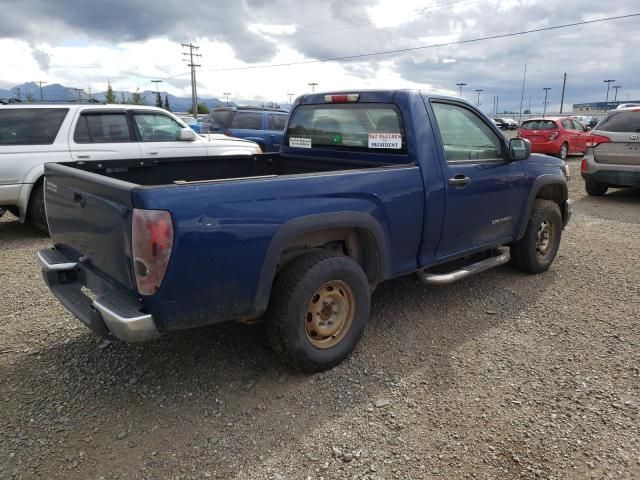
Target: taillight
{"points": [[553, 135], [583, 165], [227, 133], [348, 98], [152, 235], [595, 140]]}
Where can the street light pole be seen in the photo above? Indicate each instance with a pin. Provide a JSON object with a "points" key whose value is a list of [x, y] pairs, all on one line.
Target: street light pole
{"points": [[313, 86], [156, 82], [460, 85], [290, 97], [226, 94], [478, 91], [606, 102], [546, 94], [615, 98]]}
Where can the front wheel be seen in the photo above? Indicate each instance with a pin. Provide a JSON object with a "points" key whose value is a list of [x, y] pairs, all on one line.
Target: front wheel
{"points": [[595, 189], [318, 310], [536, 250]]}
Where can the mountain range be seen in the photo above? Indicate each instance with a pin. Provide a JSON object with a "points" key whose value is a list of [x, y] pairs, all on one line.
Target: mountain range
{"points": [[57, 92]]}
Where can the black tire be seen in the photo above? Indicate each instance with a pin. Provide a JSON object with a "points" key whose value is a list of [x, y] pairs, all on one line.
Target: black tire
{"points": [[288, 316], [564, 151], [595, 189], [531, 254], [35, 213]]}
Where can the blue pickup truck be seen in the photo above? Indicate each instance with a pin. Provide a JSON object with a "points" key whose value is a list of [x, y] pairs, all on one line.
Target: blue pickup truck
{"points": [[367, 186]]}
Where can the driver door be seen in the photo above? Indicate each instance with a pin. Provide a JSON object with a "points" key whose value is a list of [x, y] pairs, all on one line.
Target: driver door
{"points": [[484, 190], [159, 133]]}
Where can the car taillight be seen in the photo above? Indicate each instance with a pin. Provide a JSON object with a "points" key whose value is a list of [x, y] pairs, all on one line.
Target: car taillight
{"points": [[583, 165], [348, 98], [595, 140], [152, 236], [553, 135]]}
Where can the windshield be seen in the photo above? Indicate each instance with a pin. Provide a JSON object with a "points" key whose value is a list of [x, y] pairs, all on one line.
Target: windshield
{"points": [[539, 125], [347, 126], [219, 119]]}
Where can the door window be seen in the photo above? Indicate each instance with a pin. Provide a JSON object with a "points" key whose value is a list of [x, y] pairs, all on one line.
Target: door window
{"points": [[465, 136], [102, 128], [247, 121], [277, 122], [156, 127], [568, 124], [577, 125]]}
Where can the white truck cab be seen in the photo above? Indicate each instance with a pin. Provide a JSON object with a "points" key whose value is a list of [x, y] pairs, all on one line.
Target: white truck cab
{"points": [[34, 134]]}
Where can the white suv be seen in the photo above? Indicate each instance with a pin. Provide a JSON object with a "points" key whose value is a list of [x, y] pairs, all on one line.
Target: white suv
{"points": [[34, 134]]}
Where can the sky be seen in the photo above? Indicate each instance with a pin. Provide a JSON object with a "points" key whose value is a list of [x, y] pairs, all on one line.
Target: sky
{"points": [[87, 43]]}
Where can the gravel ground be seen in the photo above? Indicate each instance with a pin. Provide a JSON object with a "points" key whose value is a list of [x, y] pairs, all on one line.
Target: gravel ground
{"points": [[503, 375]]}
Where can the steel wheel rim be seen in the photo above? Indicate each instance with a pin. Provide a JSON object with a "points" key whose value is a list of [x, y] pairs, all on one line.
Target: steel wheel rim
{"points": [[544, 238], [329, 314]]}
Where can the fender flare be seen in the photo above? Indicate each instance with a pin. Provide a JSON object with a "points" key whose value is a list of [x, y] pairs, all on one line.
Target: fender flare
{"points": [[540, 182], [34, 175], [308, 224]]}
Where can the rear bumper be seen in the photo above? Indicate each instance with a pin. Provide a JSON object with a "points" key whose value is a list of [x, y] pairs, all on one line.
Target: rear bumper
{"points": [[111, 314], [610, 174]]}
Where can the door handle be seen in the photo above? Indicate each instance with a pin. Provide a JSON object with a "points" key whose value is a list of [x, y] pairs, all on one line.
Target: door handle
{"points": [[84, 157], [153, 153], [460, 180]]}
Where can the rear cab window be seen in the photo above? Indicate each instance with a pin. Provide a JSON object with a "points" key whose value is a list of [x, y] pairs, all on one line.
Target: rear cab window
{"points": [[351, 127], [539, 125], [621, 122], [30, 126]]}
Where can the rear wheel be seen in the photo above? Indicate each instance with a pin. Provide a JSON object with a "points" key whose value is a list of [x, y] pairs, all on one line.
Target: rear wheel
{"points": [[564, 151], [35, 212], [536, 250], [318, 310], [595, 189]]}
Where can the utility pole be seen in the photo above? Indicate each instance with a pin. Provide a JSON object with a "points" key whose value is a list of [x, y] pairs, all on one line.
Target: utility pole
{"points": [[226, 94], [478, 91], [564, 85], [497, 103], [313, 86], [156, 82], [524, 80], [608, 82], [546, 94], [40, 82], [192, 65], [460, 85], [290, 97], [615, 98]]}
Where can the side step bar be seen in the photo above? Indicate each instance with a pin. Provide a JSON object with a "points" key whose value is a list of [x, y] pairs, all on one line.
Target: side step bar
{"points": [[466, 271]]}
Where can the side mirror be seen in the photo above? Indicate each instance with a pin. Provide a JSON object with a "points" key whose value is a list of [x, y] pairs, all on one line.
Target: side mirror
{"points": [[519, 149], [187, 135]]}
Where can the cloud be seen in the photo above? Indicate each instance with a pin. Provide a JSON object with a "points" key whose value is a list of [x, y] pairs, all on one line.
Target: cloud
{"points": [[42, 58]]}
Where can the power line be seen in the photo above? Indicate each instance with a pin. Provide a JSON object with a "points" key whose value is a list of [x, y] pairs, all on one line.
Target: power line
{"points": [[425, 47]]}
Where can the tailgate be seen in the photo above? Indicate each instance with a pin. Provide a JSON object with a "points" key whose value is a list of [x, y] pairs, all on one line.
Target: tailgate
{"points": [[89, 218]]}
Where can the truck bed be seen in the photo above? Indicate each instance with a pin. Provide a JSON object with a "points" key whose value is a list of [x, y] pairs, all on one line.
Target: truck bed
{"points": [[207, 169]]}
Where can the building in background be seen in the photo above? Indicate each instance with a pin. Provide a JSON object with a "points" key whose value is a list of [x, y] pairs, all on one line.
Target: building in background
{"points": [[598, 107]]}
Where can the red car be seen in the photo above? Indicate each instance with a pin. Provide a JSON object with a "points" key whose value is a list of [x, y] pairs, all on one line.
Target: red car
{"points": [[558, 136]]}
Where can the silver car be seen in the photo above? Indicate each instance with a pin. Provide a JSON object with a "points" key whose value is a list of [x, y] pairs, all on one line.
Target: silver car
{"points": [[612, 158]]}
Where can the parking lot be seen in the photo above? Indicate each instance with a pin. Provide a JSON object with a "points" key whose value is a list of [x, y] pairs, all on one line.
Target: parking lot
{"points": [[503, 375]]}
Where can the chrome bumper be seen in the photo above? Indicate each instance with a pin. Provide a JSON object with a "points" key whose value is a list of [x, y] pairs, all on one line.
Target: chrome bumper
{"points": [[113, 313]]}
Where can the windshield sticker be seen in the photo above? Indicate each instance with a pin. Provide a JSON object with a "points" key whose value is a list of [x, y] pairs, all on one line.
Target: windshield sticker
{"points": [[299, 142], [385, 140]]}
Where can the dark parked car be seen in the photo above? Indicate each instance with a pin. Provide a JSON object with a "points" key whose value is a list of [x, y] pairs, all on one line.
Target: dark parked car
{"points": [[265, 126]]}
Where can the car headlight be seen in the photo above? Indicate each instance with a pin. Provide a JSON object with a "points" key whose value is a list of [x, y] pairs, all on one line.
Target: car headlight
{"points": [[257, 149]]}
